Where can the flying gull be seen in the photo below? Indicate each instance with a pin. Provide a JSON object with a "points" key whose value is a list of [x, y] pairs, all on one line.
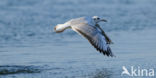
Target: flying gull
{"points": [[89, 28]]}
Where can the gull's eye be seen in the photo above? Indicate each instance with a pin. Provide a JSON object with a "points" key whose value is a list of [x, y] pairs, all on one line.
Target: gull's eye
{"points": [[96, 18]]}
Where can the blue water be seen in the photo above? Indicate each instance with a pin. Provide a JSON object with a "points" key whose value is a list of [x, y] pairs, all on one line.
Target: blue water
{"points": [[30, 49]]}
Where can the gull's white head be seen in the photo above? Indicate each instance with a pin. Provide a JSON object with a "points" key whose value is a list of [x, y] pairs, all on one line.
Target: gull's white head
{"points": [[97, 19]]}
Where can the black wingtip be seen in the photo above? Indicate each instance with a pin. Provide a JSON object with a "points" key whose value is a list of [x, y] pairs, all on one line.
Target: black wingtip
{"points": [[108, 52]]}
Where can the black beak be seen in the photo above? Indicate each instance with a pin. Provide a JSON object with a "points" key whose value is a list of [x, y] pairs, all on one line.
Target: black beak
{"points": [[103, 20]]}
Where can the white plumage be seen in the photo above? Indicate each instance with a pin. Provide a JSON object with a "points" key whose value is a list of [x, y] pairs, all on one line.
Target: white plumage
{"points": [[89, 28]]}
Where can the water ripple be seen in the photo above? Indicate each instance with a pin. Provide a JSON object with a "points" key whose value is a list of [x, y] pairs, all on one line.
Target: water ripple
{"points": [[16, 69]]}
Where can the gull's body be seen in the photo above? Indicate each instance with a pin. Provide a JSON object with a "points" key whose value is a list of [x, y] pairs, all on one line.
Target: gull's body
{"points": [[89, 28]]}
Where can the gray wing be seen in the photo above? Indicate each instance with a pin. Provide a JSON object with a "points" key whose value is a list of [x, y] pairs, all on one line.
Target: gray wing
{"points": [[108, 40], [94, 37]]}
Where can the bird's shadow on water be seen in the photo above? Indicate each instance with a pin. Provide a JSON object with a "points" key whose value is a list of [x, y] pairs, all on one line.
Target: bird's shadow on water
{"points": [[101, 73]]}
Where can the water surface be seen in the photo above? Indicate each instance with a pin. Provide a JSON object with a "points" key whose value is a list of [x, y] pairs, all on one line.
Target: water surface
{"points": [[30, 49]]}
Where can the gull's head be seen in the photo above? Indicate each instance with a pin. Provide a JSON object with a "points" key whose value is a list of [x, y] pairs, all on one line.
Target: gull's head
{"points": [[97, 19]]}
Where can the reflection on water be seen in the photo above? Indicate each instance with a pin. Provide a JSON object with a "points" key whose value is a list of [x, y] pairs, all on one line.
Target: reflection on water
{"points": [[30, 49], [101, 73]]}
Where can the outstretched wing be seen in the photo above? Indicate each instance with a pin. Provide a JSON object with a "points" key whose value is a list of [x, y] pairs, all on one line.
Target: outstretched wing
{"points": [[94, 37], [108, 40]]}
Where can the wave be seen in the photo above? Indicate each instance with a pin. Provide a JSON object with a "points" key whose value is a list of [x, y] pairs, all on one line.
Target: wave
{"points": [[16, 69]]}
